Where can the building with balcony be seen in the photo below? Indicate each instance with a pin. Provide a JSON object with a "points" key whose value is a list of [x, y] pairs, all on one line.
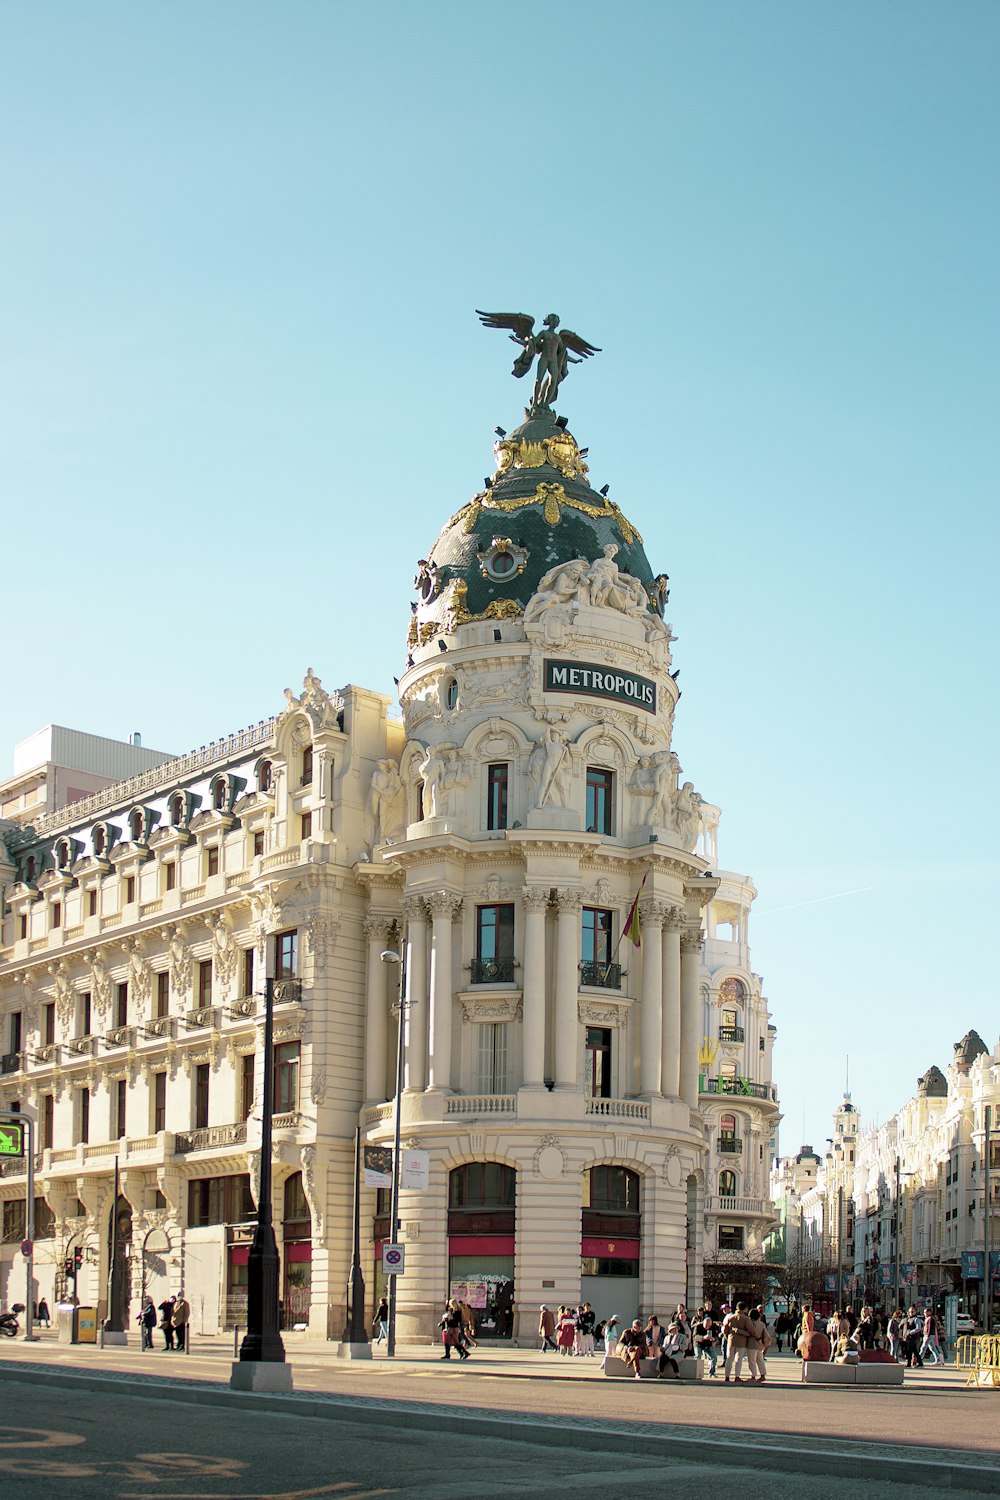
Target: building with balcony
{"points": [[498, 838]]}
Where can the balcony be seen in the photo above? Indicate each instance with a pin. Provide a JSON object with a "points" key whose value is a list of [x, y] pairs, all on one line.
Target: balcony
{"points": [[210, 1137], [11, 1062], [492, 971], [601, 976], [82, 1046], [617, 1109], [482, 1104], [742, 1087], [160, 1026], [732, 1034], [47, 1054], [206, 1017], [760, 1207], [730, 1145], [239, 1009], [120, 1036], [287, 991]]}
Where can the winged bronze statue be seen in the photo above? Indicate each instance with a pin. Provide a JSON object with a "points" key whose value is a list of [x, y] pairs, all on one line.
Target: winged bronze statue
{"points": [[554, 348]]}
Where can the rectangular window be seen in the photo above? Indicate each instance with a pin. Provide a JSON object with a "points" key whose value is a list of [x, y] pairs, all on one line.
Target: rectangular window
{"points": [[13, 1221], [162, 994], [597, 1063], [119, 1121], [48, 1121], [219, 1200], [286, 1078], [600, 788], [130, 888], [121, 1005], [258, 844], [596, 936], [205, 982], [491, 1073], [84, 1015], [56, 914], [307, 825], [201, 1076], [170, 875], [212, 861], [494, 961], [159, 1102], [248, 971], [91, 903], [23, 926], [247, 1084], [307, 766], [286, 955], [730, 1237], [83, 1115], [496, 795], [50, 1025], [15, 1031]]}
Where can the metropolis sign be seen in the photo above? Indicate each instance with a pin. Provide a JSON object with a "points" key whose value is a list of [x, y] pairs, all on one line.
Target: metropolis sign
{"points": [[600, 682]]}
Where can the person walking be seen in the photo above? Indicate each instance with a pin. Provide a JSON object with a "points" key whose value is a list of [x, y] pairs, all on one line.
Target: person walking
{"points": [[610, 1340], [931, 1341], [739, 1342], [758, 1343], [912, 1336], [451, 1330], [166, 1311], [180, 1318], [380, 1322], [894, 1334], [147, 1321], [546, 1328]]}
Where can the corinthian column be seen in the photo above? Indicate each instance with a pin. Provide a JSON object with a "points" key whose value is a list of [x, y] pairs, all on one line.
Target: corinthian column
{"points": [[415, 1072], [377, 928], [567, 988], [533, 1026], [671, 1072], [691, 941], [442, 906], [651, 999]]}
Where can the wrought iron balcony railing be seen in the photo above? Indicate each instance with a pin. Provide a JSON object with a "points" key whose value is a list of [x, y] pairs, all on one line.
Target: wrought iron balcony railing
{"points": [[740, 1086], [601, 976], [492, 970], [730, 1145], [287, 991], [732, 1034]]}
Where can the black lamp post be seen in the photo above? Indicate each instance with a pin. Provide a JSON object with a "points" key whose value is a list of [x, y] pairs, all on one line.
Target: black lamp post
{"points": [[262, 1342], [356, 1333], [389, 956]]}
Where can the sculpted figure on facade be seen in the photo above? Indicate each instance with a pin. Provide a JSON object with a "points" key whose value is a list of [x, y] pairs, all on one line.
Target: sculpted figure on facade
{"points": [[321, 707], [444, 776], [549, 768], [687, 816], [385, 803], [64, 994], [224, 950], [101, 984], [139, 977]]}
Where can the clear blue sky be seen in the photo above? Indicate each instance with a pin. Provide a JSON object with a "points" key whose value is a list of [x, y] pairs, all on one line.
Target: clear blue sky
{"points": [[242, 387]]}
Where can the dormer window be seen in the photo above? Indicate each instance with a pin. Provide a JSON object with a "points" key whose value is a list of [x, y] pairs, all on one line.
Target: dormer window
{"points": [[177, 810], [62, 854], [265, 774], [219, 793], [135, 826], [100, 840], [29, 869]]}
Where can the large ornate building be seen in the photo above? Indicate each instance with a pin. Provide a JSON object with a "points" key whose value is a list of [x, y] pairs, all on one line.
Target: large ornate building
{"points": [[591, 1105]]}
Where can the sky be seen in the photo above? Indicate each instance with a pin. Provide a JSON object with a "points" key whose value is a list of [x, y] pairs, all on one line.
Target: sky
{"points": [[242, 386]]}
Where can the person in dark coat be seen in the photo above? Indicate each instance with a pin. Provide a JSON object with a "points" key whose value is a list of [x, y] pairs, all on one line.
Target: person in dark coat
{"points": [[167, 1322], [147, 1321]]}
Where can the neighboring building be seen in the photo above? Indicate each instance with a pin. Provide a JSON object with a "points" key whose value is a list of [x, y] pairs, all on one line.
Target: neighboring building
{"points": [[498, 836], [55, 767]]}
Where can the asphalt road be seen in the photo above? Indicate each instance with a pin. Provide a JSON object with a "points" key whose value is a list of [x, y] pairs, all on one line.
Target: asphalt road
{"points": [[95, 1446]]}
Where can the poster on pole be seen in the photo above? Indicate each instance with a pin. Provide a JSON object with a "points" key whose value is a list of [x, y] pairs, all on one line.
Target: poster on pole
{"points": [[378, 1166], [416, 1170]]}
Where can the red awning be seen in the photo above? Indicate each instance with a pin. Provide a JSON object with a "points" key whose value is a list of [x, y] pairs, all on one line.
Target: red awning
{"points": [[481, 1244], [301, 1251], [598, 1249], [239, 1255]]}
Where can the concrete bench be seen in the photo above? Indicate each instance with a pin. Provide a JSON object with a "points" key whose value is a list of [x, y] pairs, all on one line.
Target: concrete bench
{"points": [[815, 1372], [617, 1369]]}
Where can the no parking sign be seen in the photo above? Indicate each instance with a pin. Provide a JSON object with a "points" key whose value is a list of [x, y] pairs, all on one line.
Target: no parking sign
{"points": [[393, 1260]]}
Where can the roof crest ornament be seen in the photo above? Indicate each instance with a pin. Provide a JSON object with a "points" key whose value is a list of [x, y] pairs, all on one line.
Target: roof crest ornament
{"points": [[322, 707], [553, 347]]}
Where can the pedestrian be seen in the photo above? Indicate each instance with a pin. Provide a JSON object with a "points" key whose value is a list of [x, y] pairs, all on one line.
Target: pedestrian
{"points": [[468, 1325], [43, 1312], [610, 1340], [380, 1323], [147, 1321], [739, 1341], [672, 1350], [451, 1330], [758, 1343], [586, 1322], [894, 1334], [566, 1326], [912, 1336], [780, 1329], [931, 1340], [632, 1345], [546, 1328], [866, 1329], [704, 1340], [166, 1311], [180, 1318]]}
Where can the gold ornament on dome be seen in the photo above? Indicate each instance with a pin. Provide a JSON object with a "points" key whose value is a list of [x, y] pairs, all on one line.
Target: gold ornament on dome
{"points": [[552, 498], [458, 611], [560, 452]]}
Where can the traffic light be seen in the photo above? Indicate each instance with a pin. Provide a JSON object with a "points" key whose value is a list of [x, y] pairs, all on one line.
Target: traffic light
{"points": [[68, 1265], [78, 1257]]}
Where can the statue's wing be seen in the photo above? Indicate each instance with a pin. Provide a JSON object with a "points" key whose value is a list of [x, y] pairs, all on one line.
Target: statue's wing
{"points": [[519, 324], [578, 345]]}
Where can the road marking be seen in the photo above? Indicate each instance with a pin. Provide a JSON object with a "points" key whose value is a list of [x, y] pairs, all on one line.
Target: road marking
{"points": [[345, 1487], [38, 1437]]}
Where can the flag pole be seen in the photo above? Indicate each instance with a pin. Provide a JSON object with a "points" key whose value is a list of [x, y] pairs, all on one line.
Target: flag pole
{"points": [[632, 911]]}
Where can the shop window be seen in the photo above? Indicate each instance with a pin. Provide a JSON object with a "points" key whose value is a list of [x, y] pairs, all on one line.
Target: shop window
{"points": [[497, 777], [286, 954], [612, 1190], [286, 1078], [494, 961], [597, 1062], [482, 1185], [491, 1070], [591, 1265], [599, 809]]}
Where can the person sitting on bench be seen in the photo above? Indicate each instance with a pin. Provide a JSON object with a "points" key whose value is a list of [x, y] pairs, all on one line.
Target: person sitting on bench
{"points": [[632, 1347]]}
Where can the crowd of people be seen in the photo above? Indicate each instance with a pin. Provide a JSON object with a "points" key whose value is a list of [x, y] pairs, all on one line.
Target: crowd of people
{"points": [[907, 1335]]}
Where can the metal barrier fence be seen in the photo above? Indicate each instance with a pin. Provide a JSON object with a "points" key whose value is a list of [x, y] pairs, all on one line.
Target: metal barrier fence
{"points": [[980, 1355]]}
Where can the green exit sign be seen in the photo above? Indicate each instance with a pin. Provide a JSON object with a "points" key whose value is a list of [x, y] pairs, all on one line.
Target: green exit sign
{"points": [[11, 1139]]}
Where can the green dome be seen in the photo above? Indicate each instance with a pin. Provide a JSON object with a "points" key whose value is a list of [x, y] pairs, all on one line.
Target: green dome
{"points": [[538, 511]]}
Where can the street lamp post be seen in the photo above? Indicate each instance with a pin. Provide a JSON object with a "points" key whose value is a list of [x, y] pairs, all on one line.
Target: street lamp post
{"points": [[390, 956], [261, 1365], [987, 1230], [355, 1343], [18, 1117]]}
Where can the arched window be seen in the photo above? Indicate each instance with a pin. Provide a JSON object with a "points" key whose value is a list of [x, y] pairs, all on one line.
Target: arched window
{"points": [[613, 1189], [62, 854], [297, 1218], [177, 810], [135, 826], [307, 766], [264, 776], [482, 1184], [732, 992], [449, 692], [100, 840], [727, 1127], [219, 793], [29, 869], [727, 1184]]}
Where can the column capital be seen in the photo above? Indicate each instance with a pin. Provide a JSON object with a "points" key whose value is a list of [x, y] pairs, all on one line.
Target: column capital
{"points": [[675, 919], [692, 939], [413, 909], [569, 899], [443, 904], [654, 913], [378, 925], [535, 897]]}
